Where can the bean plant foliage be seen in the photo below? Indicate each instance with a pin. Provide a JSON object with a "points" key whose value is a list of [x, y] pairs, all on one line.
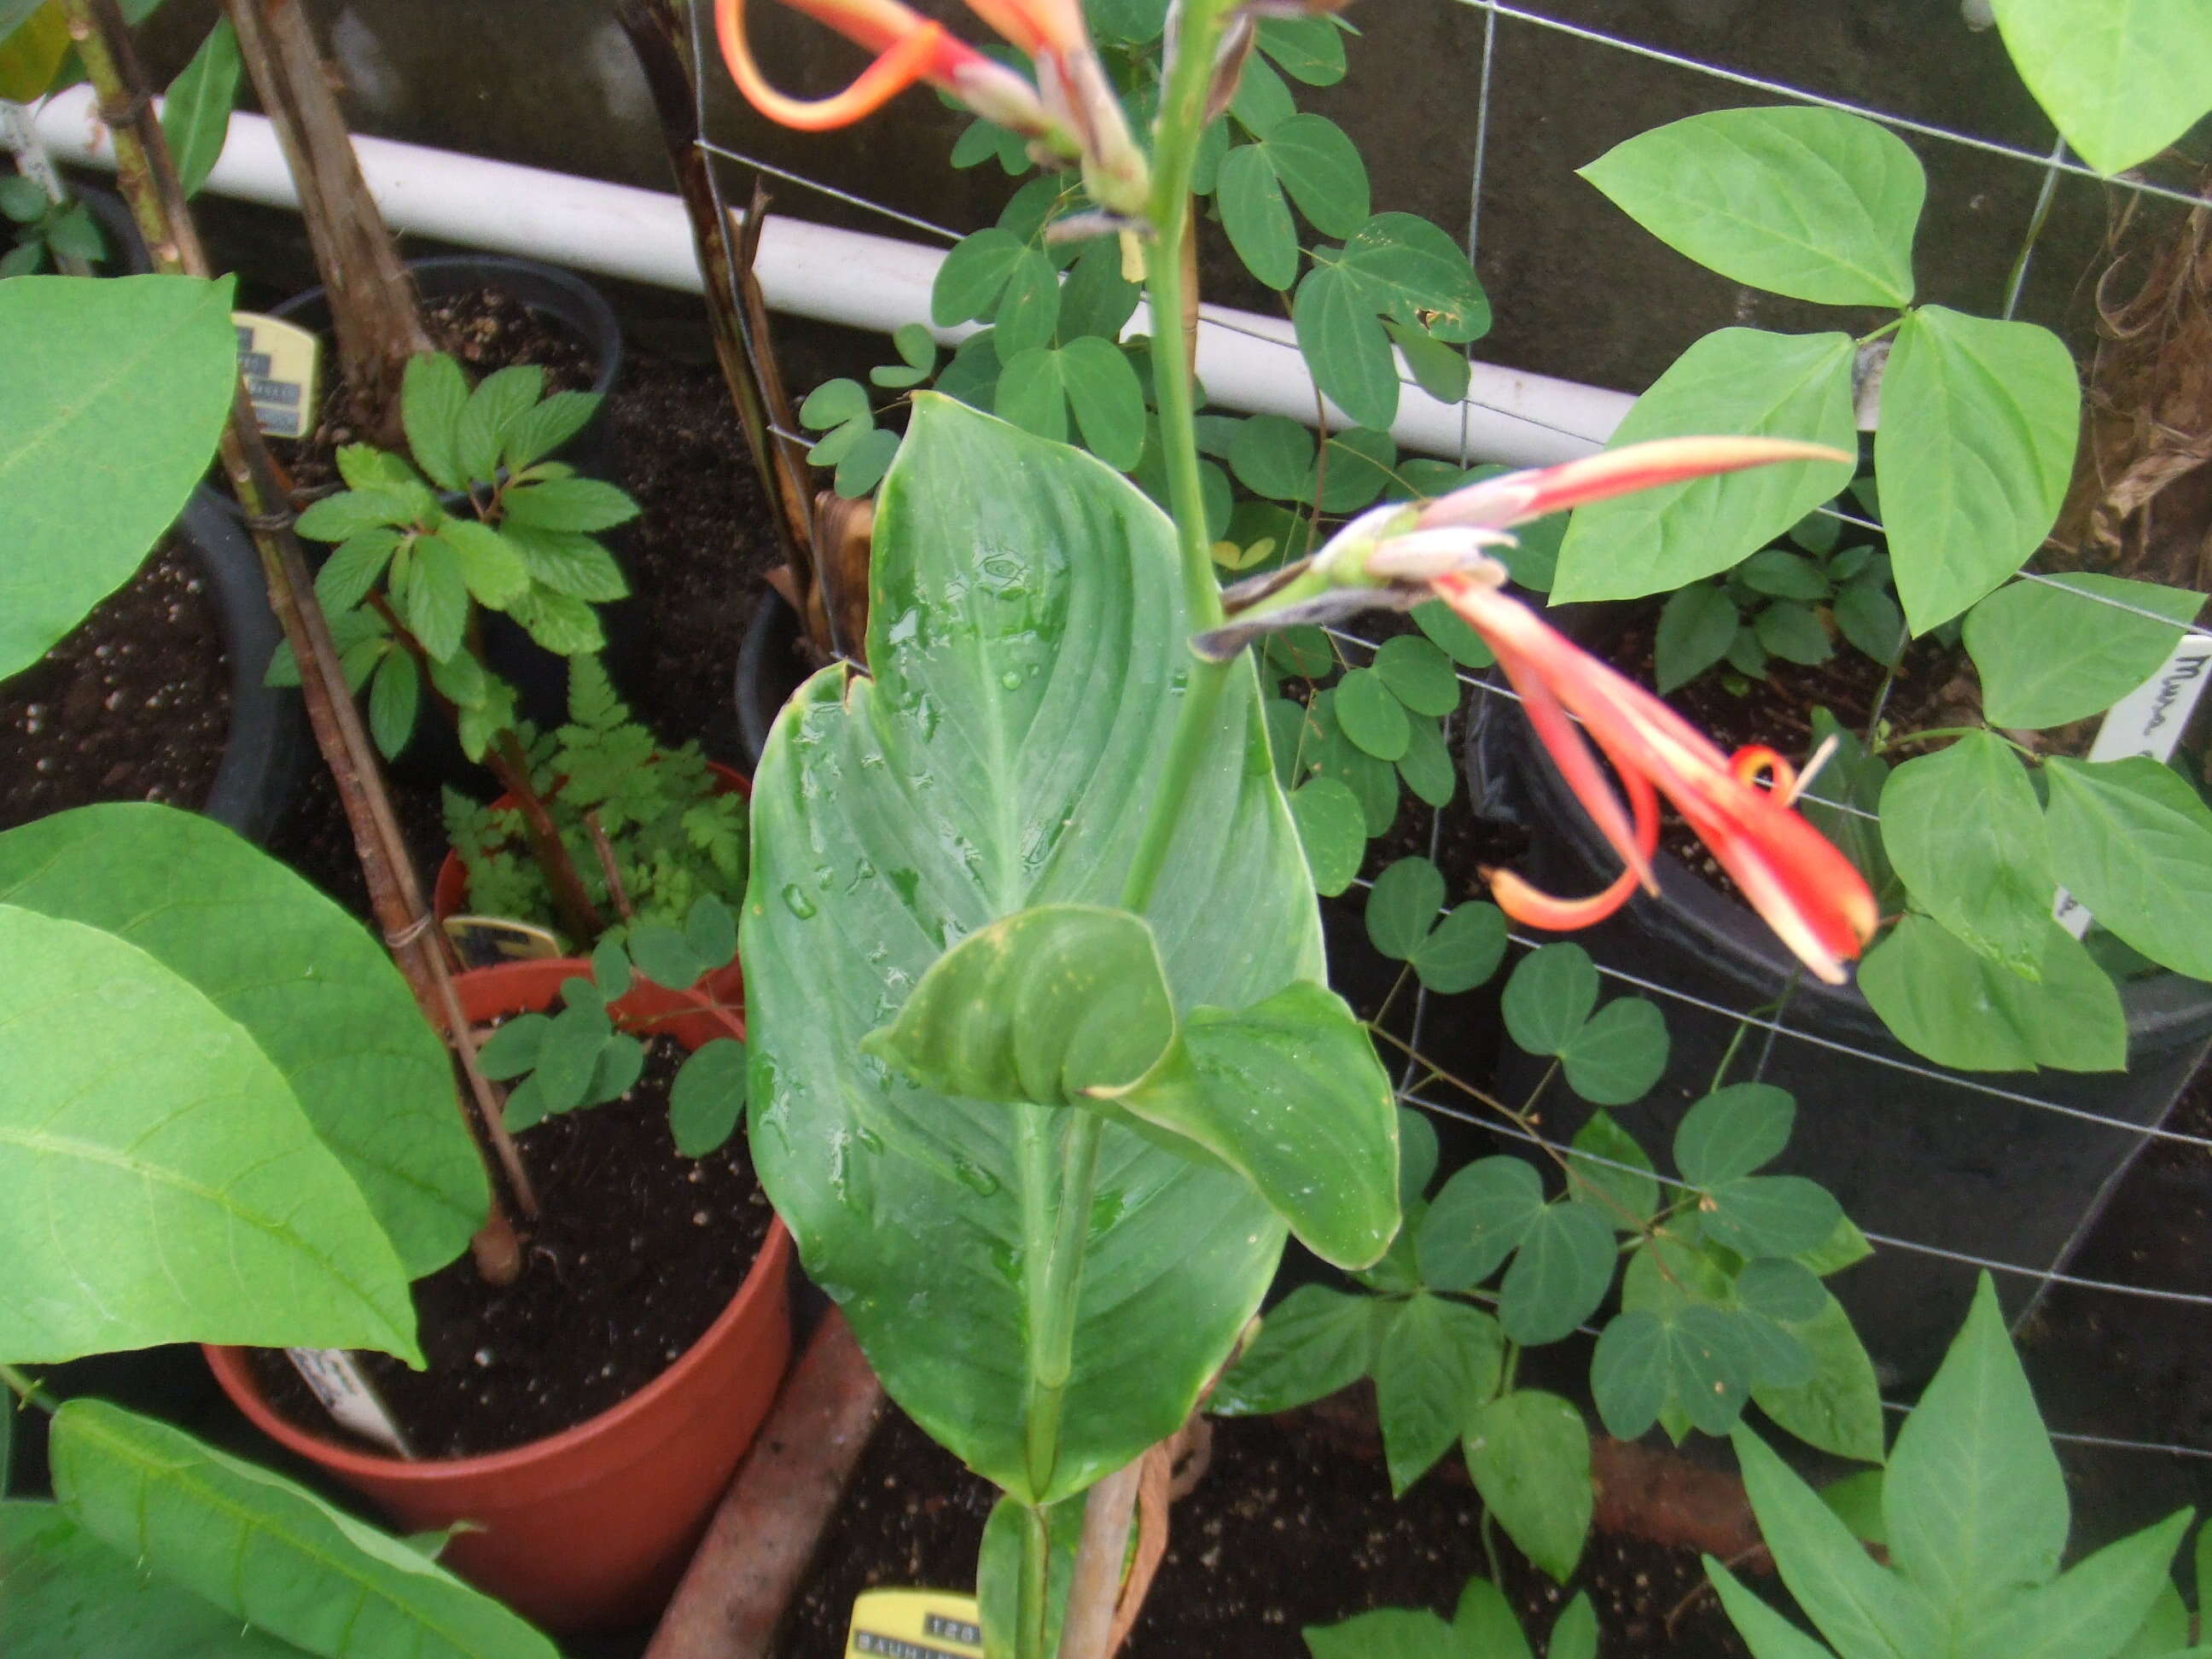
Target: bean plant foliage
{"points": [[1971, 460], [1717, 1272]]}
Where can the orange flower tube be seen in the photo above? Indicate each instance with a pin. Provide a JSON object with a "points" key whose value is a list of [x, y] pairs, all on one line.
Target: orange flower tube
{"points": [[1809, 893]]}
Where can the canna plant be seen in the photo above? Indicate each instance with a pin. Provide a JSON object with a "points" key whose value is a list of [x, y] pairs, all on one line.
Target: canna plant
{"points": [[1995, 850], [1043, 1067]]}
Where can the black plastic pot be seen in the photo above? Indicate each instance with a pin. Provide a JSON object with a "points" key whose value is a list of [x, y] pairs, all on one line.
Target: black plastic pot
{"points": [[1967, 1162], [540, 678], [561, 296], [773, 663], [267, 753], [126, 248]]}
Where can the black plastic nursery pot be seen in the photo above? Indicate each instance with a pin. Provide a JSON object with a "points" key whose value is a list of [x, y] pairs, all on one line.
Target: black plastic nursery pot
{"points": [[126, 248], [1977, 1163], [772, 664], [568, 302], [266, 755], [557, 296]]}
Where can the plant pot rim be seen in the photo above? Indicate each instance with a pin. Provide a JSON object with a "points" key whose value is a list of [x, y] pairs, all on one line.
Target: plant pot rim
{"points": [[1741, 945], [602, 324], [763, 1281]]}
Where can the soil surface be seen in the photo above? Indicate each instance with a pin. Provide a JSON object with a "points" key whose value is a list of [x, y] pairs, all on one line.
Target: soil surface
{"points": [[1286, 1529], [133, 705], [698, 553], [487, 330], [638, 1251]]}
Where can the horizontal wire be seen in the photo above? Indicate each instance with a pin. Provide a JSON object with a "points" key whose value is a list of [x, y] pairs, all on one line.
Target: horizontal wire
{"points": [[1971, 1085], [826, 189], [1902, 1408], [2042, 1275], [1782, 89]]}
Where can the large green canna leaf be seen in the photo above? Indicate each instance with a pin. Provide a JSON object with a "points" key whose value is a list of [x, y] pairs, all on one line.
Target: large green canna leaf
{"points": [[112, 393], [267, 1553], [318, 996], [158, 1181], [64, 1595], [1027, 637]]}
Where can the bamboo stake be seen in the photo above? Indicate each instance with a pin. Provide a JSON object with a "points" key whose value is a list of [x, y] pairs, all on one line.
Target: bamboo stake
{"points": [[373, 306], [149, 180]]}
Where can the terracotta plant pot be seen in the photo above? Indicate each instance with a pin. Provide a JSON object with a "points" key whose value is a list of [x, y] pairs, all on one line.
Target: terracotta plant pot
{"points": [[726, 984], [588, 1529]]}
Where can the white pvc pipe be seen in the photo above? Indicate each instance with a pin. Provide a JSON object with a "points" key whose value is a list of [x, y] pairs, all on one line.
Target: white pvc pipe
{"points": [[1245, 360]]}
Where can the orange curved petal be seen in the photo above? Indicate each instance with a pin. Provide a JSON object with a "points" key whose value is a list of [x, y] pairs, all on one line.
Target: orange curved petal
{"points": [[1534, 908], [1810, 894], [1036, 27], [1562, 741], [923, 52], [1528, 903]]}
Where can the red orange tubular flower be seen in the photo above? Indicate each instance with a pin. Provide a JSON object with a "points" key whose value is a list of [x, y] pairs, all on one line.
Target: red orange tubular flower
{"points": [[1807, 891], [1071, 110]]}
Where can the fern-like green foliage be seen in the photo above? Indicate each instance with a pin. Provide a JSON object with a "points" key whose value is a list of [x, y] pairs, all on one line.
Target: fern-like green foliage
{"points": [[676, 838]]}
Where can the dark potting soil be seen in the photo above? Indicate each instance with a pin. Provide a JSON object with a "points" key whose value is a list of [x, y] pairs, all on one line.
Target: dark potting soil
{"points": [[697, 552], [1285, 1529], [133, 705], [637, 1251], [487, 330]]}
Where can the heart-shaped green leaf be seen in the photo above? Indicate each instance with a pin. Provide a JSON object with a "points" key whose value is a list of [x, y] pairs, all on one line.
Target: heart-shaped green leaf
{"points": [[1811, 203], [1961, 827], [1974, 453], [1736, 380]]}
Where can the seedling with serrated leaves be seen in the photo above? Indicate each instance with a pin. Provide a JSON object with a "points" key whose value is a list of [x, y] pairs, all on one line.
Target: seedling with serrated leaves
{"points": [[648, 831], [580, 1056], [512, 531]]}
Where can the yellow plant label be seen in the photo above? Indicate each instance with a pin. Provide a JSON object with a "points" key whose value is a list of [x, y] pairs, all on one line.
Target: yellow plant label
{"points": [[278, 360], [915, 1624]]}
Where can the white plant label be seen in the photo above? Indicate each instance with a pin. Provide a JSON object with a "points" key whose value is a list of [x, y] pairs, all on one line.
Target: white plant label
{"points": [[2147, 722], [348, 1395], [278, 361], [20, 136]]}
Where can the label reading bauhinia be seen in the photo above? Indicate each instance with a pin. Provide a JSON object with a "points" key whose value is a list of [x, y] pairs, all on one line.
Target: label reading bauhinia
{"points": [[278, 361], [2147, 722], [915, 1624], [348, 1395]]}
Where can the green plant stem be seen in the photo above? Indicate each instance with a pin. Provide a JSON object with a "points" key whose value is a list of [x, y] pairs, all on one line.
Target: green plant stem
{"points": [[1935, 732], [1054, 1234], [1034, 1615], [1889, 327], [26, 1389], [1174, 154]]}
